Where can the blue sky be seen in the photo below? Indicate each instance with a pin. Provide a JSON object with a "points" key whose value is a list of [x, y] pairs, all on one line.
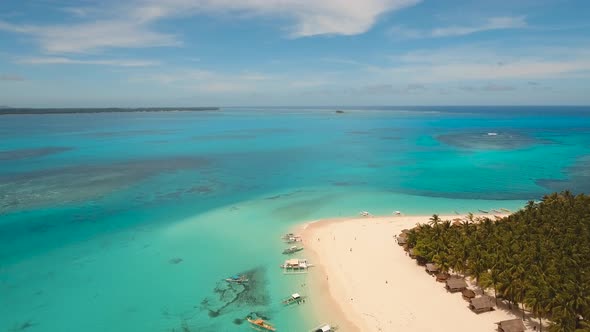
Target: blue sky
{"points": [[59, 53]]}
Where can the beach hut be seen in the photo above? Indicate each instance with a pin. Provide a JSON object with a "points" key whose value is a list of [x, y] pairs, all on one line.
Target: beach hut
{"points": [[402, 240], [412, 253], [457, 223], [468, 294], [442, 277], [481, 304], [431, 268], [456, 285], [512, 325]]}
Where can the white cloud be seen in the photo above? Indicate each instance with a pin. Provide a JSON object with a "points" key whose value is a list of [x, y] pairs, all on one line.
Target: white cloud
{"points": [[493, 23], [65, 61], [130, 25], [207, 81], [473, 64]]}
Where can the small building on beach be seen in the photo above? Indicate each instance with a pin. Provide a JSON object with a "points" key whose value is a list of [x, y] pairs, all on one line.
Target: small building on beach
{"points": [[442, 277], [402, 240], [456, 285], [512, 325], [412, 253], [431, 268], [481, 304], [468, 294]]}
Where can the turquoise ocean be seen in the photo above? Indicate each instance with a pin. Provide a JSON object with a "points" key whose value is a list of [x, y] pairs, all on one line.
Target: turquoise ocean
{"points": [[132, 221]]}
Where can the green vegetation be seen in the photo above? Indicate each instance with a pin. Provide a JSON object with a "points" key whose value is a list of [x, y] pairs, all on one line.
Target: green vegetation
{"points": [[537, 258], [8, 110]]}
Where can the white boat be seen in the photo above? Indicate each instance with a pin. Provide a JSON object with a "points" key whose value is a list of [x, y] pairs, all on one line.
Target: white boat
{"points": [[324, 328], [364, 213], [294, 239], [292, 250], [492, 134], [294, 298], [288, 236], [295, 266], [397, 213]]}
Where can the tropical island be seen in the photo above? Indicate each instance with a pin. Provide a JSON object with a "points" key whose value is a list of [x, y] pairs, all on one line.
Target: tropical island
{"points": [[526, 271], [13, 111]]}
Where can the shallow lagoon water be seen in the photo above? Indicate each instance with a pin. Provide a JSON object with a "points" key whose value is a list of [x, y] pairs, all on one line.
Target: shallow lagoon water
{"points": [[136, 220]]}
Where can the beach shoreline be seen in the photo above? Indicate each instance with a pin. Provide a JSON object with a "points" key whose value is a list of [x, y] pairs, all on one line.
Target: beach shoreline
{"points": [[362, 280]]}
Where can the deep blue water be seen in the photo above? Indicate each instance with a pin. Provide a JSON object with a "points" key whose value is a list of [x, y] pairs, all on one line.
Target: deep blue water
{"points": [[116, 222]]}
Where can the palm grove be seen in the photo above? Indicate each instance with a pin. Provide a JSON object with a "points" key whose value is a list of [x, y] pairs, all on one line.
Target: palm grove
{"points": [[537, 258]]}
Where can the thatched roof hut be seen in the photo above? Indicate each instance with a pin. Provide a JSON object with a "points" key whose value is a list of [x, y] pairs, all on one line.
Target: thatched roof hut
{"points": [[456, 285], [481, 304], [402, 240], [512, 325], [431, 268], [405, 231], [442, 277], [412, 253], [468, 294]]}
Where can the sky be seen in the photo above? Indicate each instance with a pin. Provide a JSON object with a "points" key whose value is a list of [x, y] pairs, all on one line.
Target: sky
{"points": [[137, 53]]}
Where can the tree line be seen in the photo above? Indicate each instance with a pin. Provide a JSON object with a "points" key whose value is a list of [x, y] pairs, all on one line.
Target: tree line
{"points": [[537, 258]]}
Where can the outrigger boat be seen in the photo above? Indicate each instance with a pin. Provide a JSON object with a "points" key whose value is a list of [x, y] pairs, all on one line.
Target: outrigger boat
{"points": [[260, 324], [496, 211], [483, 211], [294, 239], [292, 250], [505, 210], [238, 279], [287, 236], [294, 298], [325, 328], [295, 266]]}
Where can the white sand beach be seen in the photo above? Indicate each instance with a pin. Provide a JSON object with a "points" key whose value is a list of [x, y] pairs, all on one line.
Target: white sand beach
{"points": [[368, 283]]}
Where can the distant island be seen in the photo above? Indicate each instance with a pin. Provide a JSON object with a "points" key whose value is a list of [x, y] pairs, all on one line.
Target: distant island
{"points": [[10, 110]]}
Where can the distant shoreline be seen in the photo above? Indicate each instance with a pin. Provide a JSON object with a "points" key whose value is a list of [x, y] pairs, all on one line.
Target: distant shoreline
{"points": [[17, 111]]}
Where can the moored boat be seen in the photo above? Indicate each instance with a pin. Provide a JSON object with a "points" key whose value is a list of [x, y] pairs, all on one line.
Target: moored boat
{"points": [[287, 236], [260, 324], [483, 211], [294, 298], [295, 265], [294, 239], [292, 250], [238, 279], [325, 328]]}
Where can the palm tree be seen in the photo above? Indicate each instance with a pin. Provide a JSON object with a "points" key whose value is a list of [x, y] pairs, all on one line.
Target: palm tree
{"points": [[536, 299], [434, 220]]}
